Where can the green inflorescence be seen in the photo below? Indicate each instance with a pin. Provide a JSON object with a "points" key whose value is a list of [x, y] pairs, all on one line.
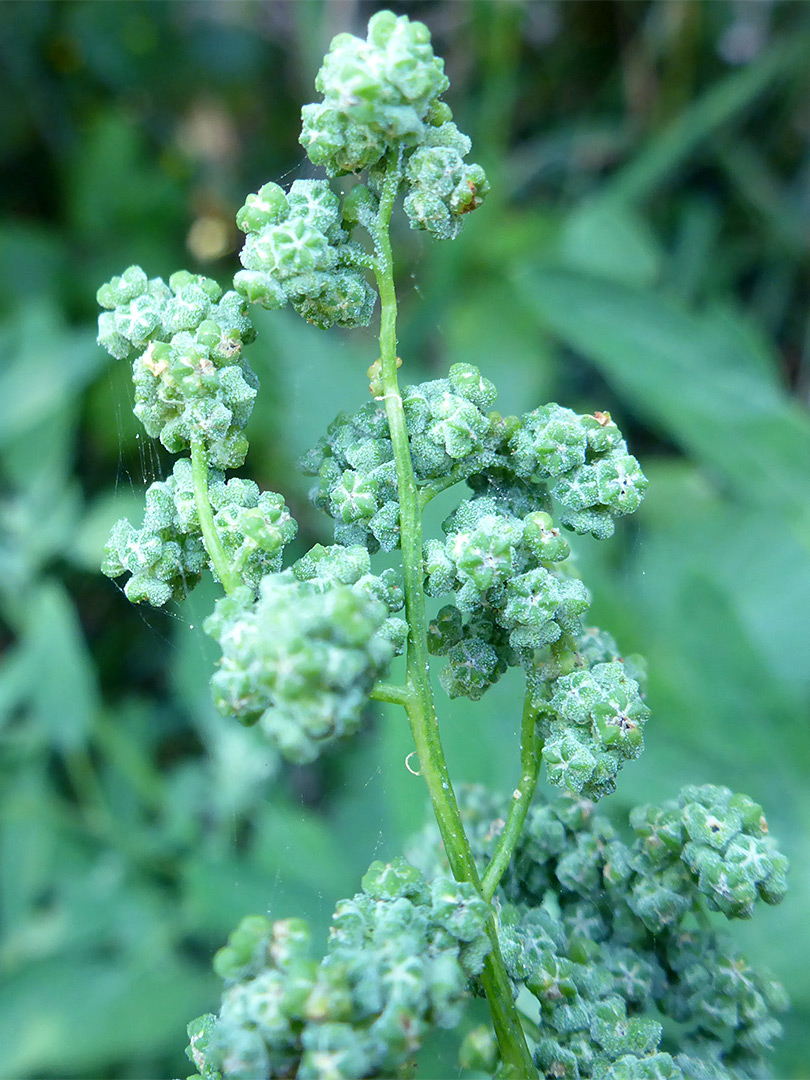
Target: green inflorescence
{"points": [[593, 722], [599, 959], [603, 967], [186, 338], [166, 556], [354, 462], [381, 98], [711, 840], [398, 962], [298, 251], [378, 94], [301, 659]]}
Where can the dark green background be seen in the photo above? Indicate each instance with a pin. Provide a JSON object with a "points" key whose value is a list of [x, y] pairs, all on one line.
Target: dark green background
{"points": [[644, 251]]}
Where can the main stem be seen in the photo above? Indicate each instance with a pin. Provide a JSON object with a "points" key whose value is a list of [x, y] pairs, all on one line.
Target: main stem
{"points": [[419, 704]]}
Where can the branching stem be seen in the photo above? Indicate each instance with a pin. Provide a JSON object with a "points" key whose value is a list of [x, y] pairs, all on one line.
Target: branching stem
{"points": [[390, 692], [432, 488], [530, 756], [419, 703]]}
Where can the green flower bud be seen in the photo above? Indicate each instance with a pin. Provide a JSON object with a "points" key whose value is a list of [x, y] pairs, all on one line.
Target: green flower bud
{"points": [[445, 630], [389, 881], [544, 541], [267, 207], [360, 207], [473, 666]]}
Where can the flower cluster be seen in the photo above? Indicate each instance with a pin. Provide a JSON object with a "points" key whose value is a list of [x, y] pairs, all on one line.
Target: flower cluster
{"points": [[711, 840], [603, 976], [166, 556], [592, 724], [442, 185], [381, 101], [297, 251], [302, 658], [509, 601], [399, 958], [608, 949], [191, 381], [354, 461], [585, 464], [378, 94]]}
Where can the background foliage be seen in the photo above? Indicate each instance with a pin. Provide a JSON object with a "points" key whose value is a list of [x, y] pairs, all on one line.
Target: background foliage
{"points": [[645, 250]]}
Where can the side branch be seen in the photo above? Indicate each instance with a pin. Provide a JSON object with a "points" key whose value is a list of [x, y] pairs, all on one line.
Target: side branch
{"points": [[531, 752], [199, 471]]}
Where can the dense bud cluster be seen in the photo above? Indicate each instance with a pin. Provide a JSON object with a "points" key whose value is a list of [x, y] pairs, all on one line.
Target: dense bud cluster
{"points": [[186, 338], [711, 840], [442, 185], [297, 251], [166, 556], [377, 95], [354, 461], [515, 597], [399, 958], [602, 976], [302, 658], [509, 601], [381, 102], [585, 464], [592, 724], [447, 422]]}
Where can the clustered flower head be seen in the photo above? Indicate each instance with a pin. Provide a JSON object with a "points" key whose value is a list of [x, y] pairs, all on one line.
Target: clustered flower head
{"points": [[442, 186], [592, 723], [710, 840], [381, 102], [602, 973], [185, 340], [302, 658], [297, 251], [399, 958], [509, 600], [166, 556], [585, 464], [517, 599], [377, 94], [354, 461]]}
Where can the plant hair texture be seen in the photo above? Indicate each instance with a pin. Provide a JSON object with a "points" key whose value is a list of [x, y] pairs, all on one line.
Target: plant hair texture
{"points": [[598, 957]]}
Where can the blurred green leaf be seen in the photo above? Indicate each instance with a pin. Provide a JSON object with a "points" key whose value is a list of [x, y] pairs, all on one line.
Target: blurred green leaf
{"points": [[722, 104], [697, 377], [47, 366], [610, 241], [72, 1017], [64, 692]]}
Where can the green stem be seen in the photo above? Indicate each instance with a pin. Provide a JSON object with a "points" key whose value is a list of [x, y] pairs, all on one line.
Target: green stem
{"points": [[419, 703], [390, 692], [213, 545], [530, 757], [432, 488], [421, 711]]}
